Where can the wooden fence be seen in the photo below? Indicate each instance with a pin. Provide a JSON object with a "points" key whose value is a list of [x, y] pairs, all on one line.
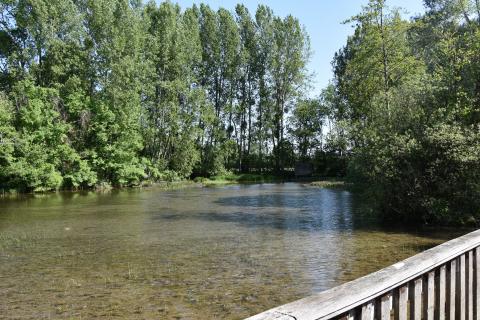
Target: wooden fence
{"points": [[442, 283]]}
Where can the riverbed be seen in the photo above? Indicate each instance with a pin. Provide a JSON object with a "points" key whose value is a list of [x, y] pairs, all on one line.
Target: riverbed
{"points": [[197, 253]]}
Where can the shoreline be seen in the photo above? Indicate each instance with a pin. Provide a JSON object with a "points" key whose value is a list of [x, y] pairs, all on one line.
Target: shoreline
{"points": [[231, 179]]}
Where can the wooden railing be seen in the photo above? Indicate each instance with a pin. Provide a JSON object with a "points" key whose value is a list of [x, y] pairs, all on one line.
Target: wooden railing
{"points": [[441, 283]]}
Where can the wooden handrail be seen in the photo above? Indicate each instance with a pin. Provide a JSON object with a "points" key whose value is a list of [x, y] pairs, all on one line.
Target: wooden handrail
{"points": [[456, 259]]}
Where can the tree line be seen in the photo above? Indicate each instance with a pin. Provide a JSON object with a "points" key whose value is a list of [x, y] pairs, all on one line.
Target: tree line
{"points": [[117, 92], [406, 101]]}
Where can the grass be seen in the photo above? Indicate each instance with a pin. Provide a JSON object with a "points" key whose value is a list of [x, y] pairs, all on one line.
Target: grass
{"points": [[332, 183], [231, 178], [218, 180], [174, 185]]}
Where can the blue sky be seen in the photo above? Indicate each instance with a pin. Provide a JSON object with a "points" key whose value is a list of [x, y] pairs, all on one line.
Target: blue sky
{"points": [[323, 22]]}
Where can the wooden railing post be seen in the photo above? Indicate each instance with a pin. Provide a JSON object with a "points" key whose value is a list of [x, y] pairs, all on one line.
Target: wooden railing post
{"points": [[442, 292], [368, 311], [452, 275], [477, 283]]}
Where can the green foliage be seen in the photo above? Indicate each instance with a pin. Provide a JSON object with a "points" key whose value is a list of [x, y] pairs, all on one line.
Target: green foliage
{"points": [[231, 178], [217, 158], [41, 156], [115, 92], [8, 138], [185, 157], [306, 126], [405, 97]]}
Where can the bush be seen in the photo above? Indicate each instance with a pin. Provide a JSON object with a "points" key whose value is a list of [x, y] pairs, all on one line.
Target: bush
{"points": [[432, 178], [185, 157]]}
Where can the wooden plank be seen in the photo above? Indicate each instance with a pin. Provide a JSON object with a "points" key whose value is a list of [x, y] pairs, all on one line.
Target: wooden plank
{"points": [[368, 311], [416, 300], [385, 307], [452, 285], [461, 290], [430, 296], [477, 283], [403, 303], [396, 303], [470, 286], [442, 291], [349, 316], [271, 315], [341, 299], [400, 303]]}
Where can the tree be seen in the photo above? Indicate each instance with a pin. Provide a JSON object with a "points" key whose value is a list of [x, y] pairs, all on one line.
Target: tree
{"points": [[173, 54], [248, 83], [115, 43], [306, 126], [8, 138], [127, 92], [290, 56], [263, 63], [405, 94], [43, 158]]}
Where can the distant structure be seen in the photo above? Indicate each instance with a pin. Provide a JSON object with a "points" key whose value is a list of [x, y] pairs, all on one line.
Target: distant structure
{"points": [[303, 169]]}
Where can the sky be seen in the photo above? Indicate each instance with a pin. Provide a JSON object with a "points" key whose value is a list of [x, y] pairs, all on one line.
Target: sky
{"points": [[323, 22]]}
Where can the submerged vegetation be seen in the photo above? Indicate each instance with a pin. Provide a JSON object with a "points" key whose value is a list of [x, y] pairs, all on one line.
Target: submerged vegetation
{"points": [[177, 255]]}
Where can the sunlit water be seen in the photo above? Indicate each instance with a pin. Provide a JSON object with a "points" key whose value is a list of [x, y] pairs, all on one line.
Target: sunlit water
{"points": [[199, 253]]}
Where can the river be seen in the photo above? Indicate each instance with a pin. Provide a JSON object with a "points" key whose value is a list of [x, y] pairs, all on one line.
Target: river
{"points": [[197, 253]]}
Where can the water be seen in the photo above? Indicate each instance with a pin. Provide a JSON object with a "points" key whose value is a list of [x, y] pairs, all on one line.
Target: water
{"points": [[199, 253]]}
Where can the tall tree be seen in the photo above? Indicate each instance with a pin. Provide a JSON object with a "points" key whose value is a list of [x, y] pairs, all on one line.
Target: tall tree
{"points": [[247, 84], [306, 127], [115, 41], [289, 60], [263, 61]]}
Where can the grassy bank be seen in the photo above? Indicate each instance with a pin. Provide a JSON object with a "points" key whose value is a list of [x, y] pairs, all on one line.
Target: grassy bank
{"points": [[232, 178], [172, 185], [218, 180], [331, 183], [105, 187]]}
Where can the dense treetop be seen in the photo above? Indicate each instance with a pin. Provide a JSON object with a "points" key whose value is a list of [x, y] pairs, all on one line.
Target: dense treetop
{"points": [[406, 96], [116, 91]]}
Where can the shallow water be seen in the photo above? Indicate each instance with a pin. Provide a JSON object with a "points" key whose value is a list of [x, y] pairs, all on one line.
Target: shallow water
{"points": [[200, 253]]}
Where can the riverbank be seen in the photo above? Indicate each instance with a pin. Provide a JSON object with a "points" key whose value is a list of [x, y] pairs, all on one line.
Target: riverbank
{"points": [[159, 185], [232, 178], [219, 180], [324, 182], [331, 183]]}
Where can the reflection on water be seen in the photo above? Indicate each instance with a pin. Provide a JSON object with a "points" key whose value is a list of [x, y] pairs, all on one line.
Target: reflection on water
{"points": [[211, 253]]}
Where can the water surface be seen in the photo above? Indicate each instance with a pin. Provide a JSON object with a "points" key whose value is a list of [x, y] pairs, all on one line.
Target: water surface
{"points": [[199, 253]]}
